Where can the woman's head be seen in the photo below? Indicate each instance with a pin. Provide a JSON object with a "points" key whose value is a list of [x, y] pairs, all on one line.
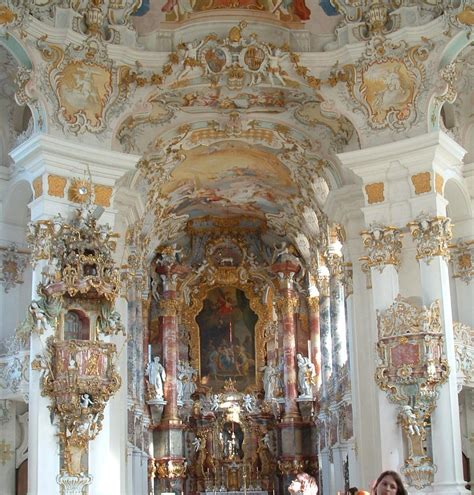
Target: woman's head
{"points": [[389, 483]]}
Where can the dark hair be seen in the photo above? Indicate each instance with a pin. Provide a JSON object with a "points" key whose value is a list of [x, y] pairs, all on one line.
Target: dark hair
{"points": [[353, 490], [400, 488]]}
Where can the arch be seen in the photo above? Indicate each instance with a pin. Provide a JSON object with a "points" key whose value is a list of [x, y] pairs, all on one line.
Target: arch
{"points": [[16, 204], [451, 52], [459, 204]]}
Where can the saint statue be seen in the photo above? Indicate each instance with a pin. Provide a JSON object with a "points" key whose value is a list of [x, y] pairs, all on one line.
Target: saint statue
{"points": [[306, 375], [156, 376]]}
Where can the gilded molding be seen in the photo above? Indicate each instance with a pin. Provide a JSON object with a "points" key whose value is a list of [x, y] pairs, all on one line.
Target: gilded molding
{"points": [[56, 185], [383, 245], [421, 182], [38, 186], [375, 192], [431, 236], [439, 183], [103, 195]]}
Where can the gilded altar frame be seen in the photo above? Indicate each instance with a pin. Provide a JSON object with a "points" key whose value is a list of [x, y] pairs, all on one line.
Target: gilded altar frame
{"points": [[227, 277]]}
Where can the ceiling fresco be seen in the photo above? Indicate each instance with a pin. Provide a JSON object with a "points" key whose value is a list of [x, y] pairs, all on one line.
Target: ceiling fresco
{"points": [[229, 179]]}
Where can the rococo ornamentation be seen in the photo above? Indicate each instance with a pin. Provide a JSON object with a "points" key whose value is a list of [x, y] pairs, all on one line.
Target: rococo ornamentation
{"points": [[462, 255], [431, 236], [383, 244], [412, 366], [13, 262]]}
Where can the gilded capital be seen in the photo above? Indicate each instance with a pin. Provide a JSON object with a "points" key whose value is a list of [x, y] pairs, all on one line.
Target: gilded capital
{"points": [[313, 304], [383, 244], [334, 263], [287, 305], [168, 307], [431, 236]]}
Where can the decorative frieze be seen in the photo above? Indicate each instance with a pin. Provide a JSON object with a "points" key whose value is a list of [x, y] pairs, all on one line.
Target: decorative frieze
{"points": [[462, 255], [431, 236], [383, 244], [412, 366]]}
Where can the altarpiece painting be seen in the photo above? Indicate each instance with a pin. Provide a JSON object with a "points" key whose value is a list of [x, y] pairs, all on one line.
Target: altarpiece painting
{"points": [[227, 339]]}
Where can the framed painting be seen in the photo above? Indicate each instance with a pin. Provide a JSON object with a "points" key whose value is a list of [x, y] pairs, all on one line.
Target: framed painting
{"points": [[227, 339]]}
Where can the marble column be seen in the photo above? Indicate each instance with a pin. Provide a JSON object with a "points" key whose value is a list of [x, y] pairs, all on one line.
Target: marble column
{"points": [[325, 331], [338, 316], [287, 303], [168, 438], [315, 336], [169, 325], [432, 236]]}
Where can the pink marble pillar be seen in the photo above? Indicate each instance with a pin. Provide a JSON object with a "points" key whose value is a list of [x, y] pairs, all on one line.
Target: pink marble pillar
{"points": [[169, 325], [315, 337], [287, 306]]}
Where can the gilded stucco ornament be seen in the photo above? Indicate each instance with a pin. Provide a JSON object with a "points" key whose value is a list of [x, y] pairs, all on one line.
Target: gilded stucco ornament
{"points": [[135, 272], [13, 262], [464, 352], [462, 255], [386, 82], [383, 244], [431, 236], [83, 83], [412, 366]]}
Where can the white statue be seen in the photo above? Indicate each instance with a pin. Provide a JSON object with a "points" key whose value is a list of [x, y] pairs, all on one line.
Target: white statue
{"points": [[270, 381], [156, 376], [306, 375], [85, 400], [408, 418], [197, 444], [39, 317], [214, 402], [249, 403], [186, 381]]}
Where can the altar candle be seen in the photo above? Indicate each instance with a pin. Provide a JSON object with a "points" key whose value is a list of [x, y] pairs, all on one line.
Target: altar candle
{"points": [[230, 332], [309, 350], [149, 353]]}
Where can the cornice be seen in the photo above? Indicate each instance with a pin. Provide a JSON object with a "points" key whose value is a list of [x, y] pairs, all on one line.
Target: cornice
{"points": [[371, 164], [42, 152]]}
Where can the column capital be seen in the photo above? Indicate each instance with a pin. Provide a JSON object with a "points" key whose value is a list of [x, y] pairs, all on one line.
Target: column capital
{"points": [[287, 304], [431, 236], [383, 244], [168, 307], [313, 304]]}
